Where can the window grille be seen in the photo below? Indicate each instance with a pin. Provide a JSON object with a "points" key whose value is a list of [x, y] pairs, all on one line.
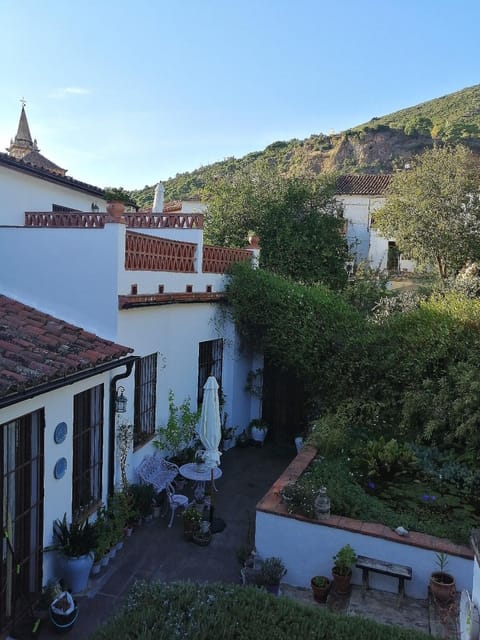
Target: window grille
{"points": [[145, 398], [87, 449]]}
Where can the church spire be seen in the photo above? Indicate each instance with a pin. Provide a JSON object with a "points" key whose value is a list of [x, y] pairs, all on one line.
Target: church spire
{"points": [[23, 143], [22, 147]]}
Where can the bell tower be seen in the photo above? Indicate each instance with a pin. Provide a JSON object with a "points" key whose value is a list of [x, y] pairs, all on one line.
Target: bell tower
{"points": [[22, 143]]}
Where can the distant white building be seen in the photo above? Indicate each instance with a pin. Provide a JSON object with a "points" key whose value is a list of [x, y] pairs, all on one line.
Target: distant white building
{"points": [[361, 195]]}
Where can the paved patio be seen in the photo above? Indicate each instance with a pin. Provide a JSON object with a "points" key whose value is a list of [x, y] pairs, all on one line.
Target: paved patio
{"points": [[157, 552]]}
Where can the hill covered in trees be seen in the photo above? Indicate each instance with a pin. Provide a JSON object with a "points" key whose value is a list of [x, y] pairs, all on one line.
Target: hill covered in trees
{"points": [[378, 146]]}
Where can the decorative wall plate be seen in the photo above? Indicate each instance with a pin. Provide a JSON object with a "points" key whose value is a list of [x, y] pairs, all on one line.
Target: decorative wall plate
{"points": [[60, 468], [60, 432]]}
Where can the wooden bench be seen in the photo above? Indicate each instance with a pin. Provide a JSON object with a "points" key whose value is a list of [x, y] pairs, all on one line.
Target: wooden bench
{"points": [[399, 571]]}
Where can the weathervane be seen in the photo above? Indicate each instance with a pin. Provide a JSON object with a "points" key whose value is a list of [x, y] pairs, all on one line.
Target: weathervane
{"points": [[23, 101]]}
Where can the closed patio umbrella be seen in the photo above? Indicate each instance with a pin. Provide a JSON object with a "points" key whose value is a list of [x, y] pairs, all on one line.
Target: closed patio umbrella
{"points": [[210, 434]]}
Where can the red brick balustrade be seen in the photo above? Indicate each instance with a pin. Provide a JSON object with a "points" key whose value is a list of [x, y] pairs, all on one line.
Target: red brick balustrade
{"points": [[78, 220], [97, 220], [148, 253], [217, 259]]}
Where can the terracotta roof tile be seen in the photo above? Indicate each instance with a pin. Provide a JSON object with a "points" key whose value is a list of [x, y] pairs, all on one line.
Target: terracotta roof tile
{"points": [[36, 347], [366, 184]]}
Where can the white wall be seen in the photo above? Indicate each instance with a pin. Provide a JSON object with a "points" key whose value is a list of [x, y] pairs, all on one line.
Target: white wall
{"points": [[21, 192], [70, 273], [476, 584], [280, 536], [174, 331]]}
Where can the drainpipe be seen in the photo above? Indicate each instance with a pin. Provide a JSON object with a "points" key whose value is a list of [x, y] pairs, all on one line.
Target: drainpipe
{"points": [[112, 433]]}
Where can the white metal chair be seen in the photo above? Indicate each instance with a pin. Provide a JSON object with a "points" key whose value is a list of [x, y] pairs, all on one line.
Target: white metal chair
{"points": [[175, 500], [156, 471]]}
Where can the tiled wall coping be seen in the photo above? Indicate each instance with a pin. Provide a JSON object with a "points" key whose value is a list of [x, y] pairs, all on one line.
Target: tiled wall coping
{"points": [[272, 503]]}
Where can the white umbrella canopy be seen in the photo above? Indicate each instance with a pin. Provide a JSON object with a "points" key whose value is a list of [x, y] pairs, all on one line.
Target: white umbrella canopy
{"points": [[209, 430], [210, 434]]}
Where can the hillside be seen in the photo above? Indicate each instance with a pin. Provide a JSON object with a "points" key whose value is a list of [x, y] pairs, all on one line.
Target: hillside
{"points": [[378, 146]]}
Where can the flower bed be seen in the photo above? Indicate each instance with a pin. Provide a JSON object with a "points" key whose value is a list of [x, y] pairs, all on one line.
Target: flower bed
{"points": [[307, 545]]}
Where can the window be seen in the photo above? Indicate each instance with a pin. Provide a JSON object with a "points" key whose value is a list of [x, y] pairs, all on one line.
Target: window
{"points": [[210, 355], [145, 398], [87, 450]]}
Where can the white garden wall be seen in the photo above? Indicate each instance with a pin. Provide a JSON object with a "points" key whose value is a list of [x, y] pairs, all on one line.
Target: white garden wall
{"points": [[308, 546]]}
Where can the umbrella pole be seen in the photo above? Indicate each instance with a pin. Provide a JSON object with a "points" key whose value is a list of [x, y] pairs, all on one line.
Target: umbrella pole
{"points": [[216, 524]]}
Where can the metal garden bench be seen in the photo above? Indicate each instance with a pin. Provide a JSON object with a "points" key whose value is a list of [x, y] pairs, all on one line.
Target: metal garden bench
{"points": [[156, 471]]}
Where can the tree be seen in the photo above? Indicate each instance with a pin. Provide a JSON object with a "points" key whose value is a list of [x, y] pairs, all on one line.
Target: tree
{"points": [[433, 209], [297, 219]]}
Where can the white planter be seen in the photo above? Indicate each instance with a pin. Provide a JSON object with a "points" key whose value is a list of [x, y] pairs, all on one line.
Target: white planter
{"points": [[258, 435], [229, 443]]}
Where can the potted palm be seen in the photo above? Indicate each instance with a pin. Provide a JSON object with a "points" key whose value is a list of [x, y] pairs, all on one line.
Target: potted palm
{"points": [[76, 542], [343, 561], [442, 584]]}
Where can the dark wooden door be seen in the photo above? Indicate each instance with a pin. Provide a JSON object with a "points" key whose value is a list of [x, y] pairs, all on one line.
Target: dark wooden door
{"points": [[21, 509]]}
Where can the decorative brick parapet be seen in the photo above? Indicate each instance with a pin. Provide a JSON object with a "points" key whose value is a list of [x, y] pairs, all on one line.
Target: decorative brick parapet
{"points": [[218, 259], [149, 253], [87, 220], [272, 503]]}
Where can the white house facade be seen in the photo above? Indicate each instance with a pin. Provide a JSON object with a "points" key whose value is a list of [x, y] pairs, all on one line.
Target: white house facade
{"points": [[361, 195], [141, 280]]}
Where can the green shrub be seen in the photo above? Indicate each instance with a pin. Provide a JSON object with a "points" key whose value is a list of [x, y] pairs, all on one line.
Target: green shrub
{"points": [[186, 611]]}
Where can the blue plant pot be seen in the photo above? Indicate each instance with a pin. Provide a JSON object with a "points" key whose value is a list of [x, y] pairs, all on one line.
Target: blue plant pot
{"points": [[62, 623], [76, 571]]}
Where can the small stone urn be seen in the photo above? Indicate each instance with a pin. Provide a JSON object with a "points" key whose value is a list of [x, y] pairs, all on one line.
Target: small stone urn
{"points": [[322, 504]]}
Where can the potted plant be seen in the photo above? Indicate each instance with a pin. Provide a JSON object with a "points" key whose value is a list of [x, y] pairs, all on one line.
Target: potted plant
{"points": [[258, 431], [177, 436], [75, 541], [202, 534], [242, 439], [143, 495], [191, 521], [63, 612], [271, 573], [442, 584], [228, 438], [320, 587], [343, 561]]}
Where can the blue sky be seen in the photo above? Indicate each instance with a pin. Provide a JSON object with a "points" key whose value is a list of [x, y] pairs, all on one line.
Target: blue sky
{"points": [[125, 93]]}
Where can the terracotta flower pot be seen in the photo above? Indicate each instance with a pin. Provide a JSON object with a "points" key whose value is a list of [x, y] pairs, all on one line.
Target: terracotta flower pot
{"points": [[341, 583], [320, 593], [442, 587]]}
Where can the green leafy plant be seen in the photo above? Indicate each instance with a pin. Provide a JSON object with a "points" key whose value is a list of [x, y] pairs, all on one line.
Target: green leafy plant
{"points": [[344, 560], [179, 431], [143, 495], [320, 581], [124, 444], [74, 539]]}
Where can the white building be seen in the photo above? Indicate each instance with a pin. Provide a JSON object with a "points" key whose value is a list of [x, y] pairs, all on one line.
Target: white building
{"points": [[140, 280], [361, 195]]}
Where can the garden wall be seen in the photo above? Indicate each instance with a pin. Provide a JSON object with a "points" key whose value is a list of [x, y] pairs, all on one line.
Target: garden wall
{"points": [[307, 546]]}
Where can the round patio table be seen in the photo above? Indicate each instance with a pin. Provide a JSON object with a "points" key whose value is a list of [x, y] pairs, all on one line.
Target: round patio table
{"points": [[193, 471]]}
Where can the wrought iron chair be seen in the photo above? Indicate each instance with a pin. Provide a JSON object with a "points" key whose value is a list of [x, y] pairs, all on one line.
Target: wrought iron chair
{"points": [[175, 500], [157, 471]]}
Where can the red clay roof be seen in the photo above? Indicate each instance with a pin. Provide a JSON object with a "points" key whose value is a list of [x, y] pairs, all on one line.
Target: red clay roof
{"points": [[366, 184], [36, 348]]}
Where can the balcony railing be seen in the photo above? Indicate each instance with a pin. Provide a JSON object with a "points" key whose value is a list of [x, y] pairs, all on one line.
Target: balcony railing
{"points": [[218, 259], [148, 253], [88, 220]]}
